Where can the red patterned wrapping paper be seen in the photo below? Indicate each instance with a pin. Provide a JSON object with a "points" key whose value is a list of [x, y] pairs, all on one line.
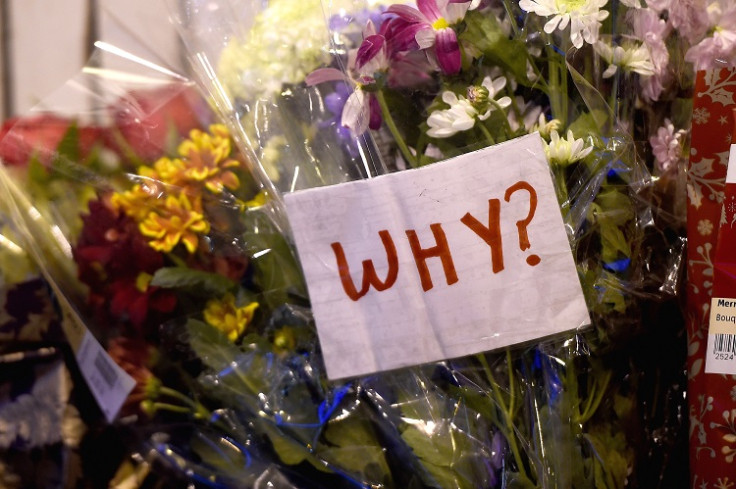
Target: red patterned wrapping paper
{"points": [[712, 397]]}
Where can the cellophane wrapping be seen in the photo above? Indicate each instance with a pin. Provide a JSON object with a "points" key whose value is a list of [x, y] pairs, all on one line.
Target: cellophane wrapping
{"points": [[176, 251]]}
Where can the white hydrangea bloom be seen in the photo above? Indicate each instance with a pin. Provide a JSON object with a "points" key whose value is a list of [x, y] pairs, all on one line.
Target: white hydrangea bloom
{"points": [[287, 41]]}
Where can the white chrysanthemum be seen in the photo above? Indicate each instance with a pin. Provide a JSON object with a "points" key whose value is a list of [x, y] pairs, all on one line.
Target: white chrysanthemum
{"points": [[584, 17], [545, 127], [563, 151], [459, 117], [634, 58], [463, 112], [529, 112]]}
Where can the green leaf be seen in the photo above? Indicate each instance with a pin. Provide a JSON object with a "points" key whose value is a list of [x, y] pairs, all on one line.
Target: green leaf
{"points": [[588, 123], [352, 444], [613, 243], [614, 207], [210, 345], [193, 280], [441, 447], [485, 33], [37, 173], [276, 271], [289, 451], [68, 148], [598, 108], [611, 464], [440, 453]]}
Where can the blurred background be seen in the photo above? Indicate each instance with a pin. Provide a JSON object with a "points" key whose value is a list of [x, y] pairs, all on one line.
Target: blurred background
{"points": [[43, 43]]}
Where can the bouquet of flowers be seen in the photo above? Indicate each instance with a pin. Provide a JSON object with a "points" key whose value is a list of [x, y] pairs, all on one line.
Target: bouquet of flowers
{"points": [[181, 261]]}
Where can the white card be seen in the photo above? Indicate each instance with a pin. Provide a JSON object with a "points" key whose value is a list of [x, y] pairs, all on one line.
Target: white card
{"points": [[452, 272], [109, 383]]}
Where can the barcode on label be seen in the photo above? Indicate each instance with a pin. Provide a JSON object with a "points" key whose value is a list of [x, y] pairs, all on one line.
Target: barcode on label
{"points": [[105, 369], [724, 343]]}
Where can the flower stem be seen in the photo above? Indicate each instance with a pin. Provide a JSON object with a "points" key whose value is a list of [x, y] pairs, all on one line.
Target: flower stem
{"points": [[394, 130], [486, 133], [507, 126], [561, 187], [512, 393], [592, 407], [199, 409], [512, 20], [506, 414]]}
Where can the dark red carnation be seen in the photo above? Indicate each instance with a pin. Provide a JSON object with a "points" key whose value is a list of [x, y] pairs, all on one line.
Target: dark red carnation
{"points": [[116, 262]]}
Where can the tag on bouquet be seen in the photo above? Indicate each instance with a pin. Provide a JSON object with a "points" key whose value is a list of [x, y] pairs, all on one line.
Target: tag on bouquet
{"points": [[109, 384], [456, 258], [720, 355]]}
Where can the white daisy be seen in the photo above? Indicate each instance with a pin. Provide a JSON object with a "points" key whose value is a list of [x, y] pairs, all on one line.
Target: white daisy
{"points": [[584, 17], [463, 112], [634, 58], [563, 151]]}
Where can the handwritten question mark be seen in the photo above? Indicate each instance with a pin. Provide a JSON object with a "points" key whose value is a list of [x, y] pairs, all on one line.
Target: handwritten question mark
{"points": [[524, 244]]}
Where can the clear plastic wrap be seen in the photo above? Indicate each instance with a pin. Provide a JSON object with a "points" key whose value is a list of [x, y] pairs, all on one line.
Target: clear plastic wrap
{"points": [[180, 259]]}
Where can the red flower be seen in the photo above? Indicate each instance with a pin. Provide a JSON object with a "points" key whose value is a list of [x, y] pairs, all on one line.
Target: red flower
{"points": [[146, 120], [117, 263], [134, 356], [20, 138]]}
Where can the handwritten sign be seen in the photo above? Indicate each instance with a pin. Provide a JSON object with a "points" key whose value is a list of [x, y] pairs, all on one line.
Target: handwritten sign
{"points": [[456, 258]]}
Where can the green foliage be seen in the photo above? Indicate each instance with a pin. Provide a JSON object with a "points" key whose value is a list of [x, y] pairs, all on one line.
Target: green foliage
{"points": [[193, 281], [485, 34], [351, 444], [444, 450], [277, 274]]}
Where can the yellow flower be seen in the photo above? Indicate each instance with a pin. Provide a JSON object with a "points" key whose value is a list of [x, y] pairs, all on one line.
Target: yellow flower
{"points": [[259, 200], [226, 316], [206, 156], [165, 170], [137, 202], [178, 221]]}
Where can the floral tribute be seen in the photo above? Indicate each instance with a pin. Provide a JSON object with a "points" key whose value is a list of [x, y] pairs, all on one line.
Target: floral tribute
{"points": [[192, 280], [131, 237]]}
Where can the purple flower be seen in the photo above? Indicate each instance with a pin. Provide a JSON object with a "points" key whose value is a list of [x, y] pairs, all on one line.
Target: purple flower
{"points": [[719, 48], [345, 20], [429, 27], [652, 30], [361, 109]]}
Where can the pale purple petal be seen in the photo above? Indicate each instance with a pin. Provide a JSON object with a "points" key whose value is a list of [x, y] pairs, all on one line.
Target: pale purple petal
{"points": [[372, 48], [430, 9], [455, 11], [425, 38], [448, 52], [409, 69], [355, 112], [407, 13], [322, 75], [370, 29], [402, 35]]}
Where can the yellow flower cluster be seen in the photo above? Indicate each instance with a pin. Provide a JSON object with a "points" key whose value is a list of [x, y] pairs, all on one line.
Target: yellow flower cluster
{"points": [[203, 162], [225, 315]]}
